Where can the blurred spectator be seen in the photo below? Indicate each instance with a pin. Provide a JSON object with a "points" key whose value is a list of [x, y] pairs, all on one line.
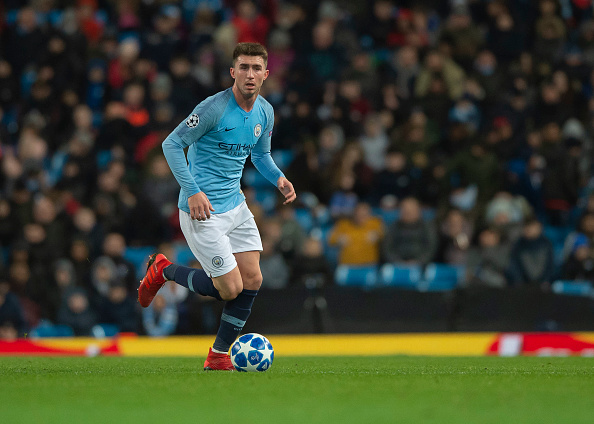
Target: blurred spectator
{"points": [[311, 268], [250, 25], [160, 318], [185, 88], [374, 143], [476, 166], [550, 32], [440, 69], [350, 162], [344, 199], [161, 190], [103, 275], [455, 235], [12, 320], [562, 174], [76, 312], [488, 261], [81, 258], [410, 239], [395, 179], [507, 213], [164, 40], [580, 263], [114, 247], [358, 237], [531, 258], [119, 308], [275, 272], [24, 40], [63, 280], [292, 234], [463, 35], [86, 227]]}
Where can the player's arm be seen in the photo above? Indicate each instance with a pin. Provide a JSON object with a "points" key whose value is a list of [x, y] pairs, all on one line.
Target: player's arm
{"points": [[262, 160], [186, 133]]}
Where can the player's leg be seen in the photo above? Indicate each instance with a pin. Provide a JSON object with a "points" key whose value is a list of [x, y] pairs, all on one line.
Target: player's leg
{"points": [[237, 310], [242, 285], [208, 243], [160, 269], [245, 241]]}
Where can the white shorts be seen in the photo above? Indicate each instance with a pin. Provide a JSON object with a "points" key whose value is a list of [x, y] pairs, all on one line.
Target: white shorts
{"points": [[215, 240]]}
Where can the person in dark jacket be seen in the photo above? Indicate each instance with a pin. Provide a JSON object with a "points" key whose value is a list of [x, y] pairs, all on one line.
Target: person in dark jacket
{"points": [[410, 239], [12, 319], [119, 308], [531, 262], [76, 313]]}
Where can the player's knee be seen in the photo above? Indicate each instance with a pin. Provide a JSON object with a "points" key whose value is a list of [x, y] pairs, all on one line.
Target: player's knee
{"points": [[253, 281], [231, 291]]}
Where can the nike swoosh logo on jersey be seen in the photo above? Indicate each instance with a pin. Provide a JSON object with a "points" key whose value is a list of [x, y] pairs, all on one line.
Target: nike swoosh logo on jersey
{"points": [[229, 129]]}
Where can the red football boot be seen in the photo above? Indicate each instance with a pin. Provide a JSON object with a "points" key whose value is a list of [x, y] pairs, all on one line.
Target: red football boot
{"points": [[218, 362], [153, 280]]}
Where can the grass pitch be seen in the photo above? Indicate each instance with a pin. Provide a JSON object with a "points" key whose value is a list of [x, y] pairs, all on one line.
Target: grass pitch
{"points": [[396, 389]]}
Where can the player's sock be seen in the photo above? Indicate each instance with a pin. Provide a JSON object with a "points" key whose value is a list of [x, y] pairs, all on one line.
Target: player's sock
{"points": [[235, 314], [194, 279]]}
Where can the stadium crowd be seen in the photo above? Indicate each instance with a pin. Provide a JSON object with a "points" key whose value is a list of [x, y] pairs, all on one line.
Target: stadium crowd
{"points": [[415, 132]]}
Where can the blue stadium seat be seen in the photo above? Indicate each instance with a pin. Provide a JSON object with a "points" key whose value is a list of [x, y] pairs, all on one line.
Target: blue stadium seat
{"points": [[330, 252], [139, 256], [387, 215], [356, 276], [283, 158], [46, 329], [399, 275], [183, 255], [252, 178], [391, 215], [267, 198], [573, 288], [439, 277], [101, 331], [304, 218], [557, 236]]}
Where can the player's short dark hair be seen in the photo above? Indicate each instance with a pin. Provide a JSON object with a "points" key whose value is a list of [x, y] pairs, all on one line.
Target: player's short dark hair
{"points": [[250, 49]]}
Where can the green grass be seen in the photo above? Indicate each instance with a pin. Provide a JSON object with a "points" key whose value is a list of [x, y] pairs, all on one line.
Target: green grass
{"points": [[310, 390]]}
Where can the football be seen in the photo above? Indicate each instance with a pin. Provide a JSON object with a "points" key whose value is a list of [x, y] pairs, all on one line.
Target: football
{"points": [[252, 352]]}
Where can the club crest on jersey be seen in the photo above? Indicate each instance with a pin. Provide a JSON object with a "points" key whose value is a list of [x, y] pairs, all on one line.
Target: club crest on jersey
{"points": [[258, 130], [193, 120], [217, 262]]}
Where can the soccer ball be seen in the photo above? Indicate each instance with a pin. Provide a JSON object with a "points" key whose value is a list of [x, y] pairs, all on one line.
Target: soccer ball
{"points": [[252, 352]]}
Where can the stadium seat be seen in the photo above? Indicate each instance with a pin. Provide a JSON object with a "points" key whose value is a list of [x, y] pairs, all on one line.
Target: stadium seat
{"points": [[304, 218], [439, 277], [283, 158], [252, 178], [398, 275], [267, 198], [101, 331], [573, 288], [356, 276], [183, 255], [46, 329], [557, 236]]}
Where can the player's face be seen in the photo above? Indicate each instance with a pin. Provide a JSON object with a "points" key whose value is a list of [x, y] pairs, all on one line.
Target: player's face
{"points": [[249, 74]]}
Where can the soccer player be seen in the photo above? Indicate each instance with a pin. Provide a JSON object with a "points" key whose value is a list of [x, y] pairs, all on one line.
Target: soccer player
{"points": [[220, 133]]}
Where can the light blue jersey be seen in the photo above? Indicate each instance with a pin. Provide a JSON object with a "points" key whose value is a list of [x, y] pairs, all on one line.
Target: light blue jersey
{"points": [[220, 136]]}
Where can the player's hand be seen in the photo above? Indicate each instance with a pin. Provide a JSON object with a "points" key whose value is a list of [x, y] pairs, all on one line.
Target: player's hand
{"points": [[286, 188], [200, 207]]}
